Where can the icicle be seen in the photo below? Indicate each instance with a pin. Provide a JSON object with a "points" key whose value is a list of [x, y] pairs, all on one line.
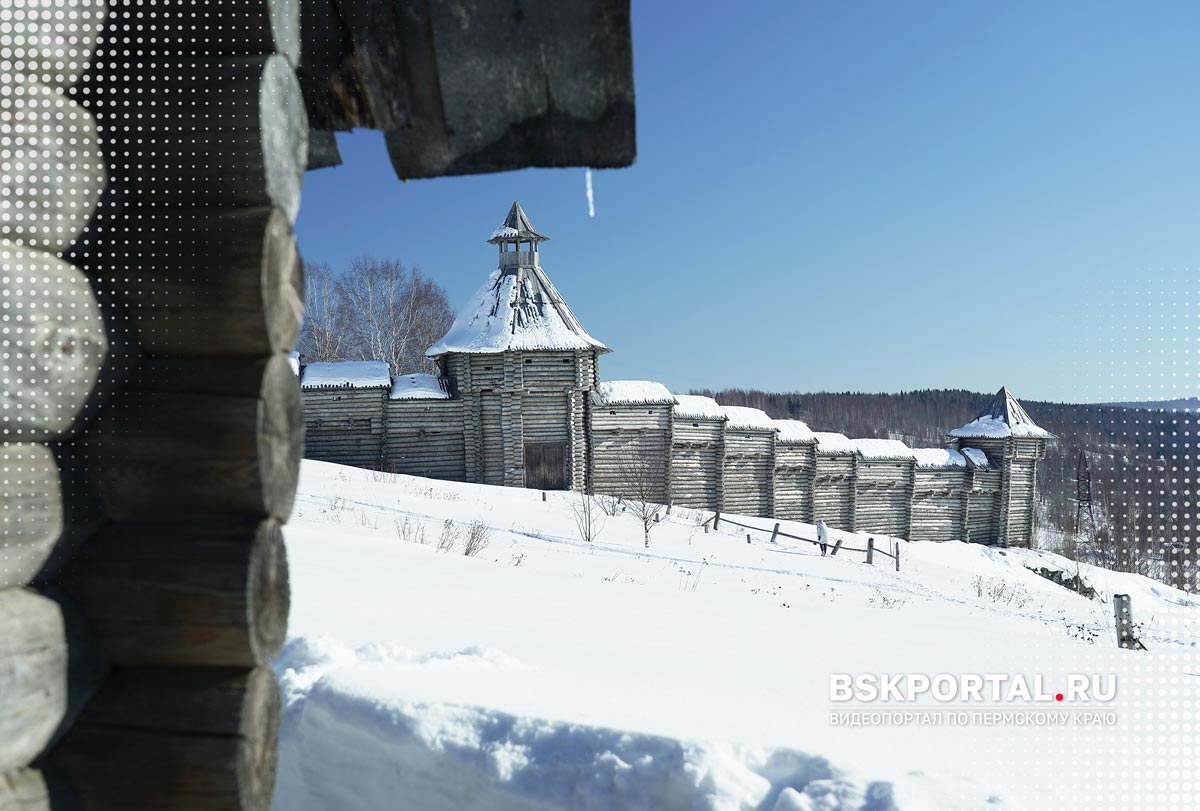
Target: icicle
{"points": [[590, 197]]}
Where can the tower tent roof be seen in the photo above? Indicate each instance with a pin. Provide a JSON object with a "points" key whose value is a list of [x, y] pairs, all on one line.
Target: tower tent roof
{"points": [[517, 226], [1004, 417], [515, 309]]}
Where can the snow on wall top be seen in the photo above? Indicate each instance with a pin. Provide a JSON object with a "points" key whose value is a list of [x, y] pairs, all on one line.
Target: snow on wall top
{"points": [[939, 457], [632, 392], [832, 443], [346, 374], [418, 386], [750, 419], [882, 449], [977, 458], [794, 431], [1005, 417], [697, 407], [515, 309], [294, 362]]}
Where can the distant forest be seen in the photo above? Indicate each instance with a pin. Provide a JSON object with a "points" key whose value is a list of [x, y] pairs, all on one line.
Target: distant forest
{"points": [[1143, 465]]}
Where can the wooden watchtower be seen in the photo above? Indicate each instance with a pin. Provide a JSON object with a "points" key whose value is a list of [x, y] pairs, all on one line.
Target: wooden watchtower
{"points": [[524, 367], [1014, 444]]}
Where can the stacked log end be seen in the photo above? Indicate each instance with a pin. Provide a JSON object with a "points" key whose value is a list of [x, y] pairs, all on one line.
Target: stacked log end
{"points": [[151, 431]]}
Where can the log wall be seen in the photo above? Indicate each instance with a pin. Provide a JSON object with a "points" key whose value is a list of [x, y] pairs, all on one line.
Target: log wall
{"points": [[938, 505], [883, 494], [749, 471], [794, 471], [834, 489], [697, 462], [631, 451], [515, 399]]}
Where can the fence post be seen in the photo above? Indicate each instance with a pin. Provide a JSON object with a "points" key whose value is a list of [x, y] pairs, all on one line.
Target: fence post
{"points": [[1123, 611], [717, 520], [775, 532], [543, 495], [897, 556], [836, 547], [870, 550], [747, 537]]}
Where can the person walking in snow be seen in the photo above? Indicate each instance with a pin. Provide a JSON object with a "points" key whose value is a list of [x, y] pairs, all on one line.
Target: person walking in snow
{"points": [[822, 535]]}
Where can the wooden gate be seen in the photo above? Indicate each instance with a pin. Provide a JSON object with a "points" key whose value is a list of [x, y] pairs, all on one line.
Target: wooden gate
{"points": [[546, 466]]}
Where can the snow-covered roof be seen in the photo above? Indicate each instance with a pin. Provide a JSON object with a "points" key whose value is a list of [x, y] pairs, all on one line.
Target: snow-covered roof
{"points": [[294, 362], [831, 443], [1003, 418], [697, 407], [793, 431], [977, 458], [418, 386], [346, 374], [882, 449], [749, 419], [939, 457], [632, 392], [516, 308]]}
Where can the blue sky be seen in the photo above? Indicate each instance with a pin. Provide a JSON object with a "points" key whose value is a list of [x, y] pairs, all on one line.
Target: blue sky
{"points": [[870, 196]]}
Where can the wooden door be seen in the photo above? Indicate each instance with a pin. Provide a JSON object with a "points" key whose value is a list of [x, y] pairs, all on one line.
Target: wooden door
{"points": [[546, 466]]}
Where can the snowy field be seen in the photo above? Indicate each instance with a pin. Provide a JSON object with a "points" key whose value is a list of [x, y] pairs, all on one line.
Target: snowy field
{"points": [[550, 673]]}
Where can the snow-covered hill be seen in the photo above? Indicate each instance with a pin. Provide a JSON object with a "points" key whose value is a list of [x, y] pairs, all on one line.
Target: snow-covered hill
{"points": [[550, 673]]}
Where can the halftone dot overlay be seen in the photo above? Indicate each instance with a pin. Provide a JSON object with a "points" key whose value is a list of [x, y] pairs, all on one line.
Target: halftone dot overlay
{"points": [[151, 155], [150, 165]]}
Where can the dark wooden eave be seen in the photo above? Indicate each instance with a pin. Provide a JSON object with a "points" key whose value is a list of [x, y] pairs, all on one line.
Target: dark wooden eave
{"points": [[469, 86]]}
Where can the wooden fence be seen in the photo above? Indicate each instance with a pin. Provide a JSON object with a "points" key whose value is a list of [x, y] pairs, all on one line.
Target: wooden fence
{"points": [[775, 533]]}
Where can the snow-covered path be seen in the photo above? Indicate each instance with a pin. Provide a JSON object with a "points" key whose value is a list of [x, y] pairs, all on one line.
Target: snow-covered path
{"points": [[550, 673]]}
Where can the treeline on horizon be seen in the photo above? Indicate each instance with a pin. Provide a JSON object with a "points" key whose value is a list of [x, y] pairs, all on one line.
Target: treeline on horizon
{"points": [[1143, 462]]}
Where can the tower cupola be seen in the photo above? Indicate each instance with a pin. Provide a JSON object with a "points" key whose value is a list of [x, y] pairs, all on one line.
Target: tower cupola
{"points": [[517, 239]]}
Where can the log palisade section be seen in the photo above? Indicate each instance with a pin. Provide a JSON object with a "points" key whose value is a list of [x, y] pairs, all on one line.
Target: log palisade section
{"points": [[644, 443], [518, 402]]}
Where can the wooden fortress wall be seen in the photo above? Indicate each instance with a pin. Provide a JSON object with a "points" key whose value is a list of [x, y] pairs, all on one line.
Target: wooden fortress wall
{"points": [[627, 450]]}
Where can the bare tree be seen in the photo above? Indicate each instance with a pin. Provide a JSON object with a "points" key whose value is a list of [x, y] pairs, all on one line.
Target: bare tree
{"points": [[588, 515], [325, 334], [396, 313], [643, 489]]}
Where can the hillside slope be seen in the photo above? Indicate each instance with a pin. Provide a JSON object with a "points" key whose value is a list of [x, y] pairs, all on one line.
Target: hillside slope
{"points": [[549, 673]]}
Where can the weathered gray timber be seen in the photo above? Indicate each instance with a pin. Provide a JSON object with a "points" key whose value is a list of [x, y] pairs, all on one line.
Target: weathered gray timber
{"points": [[204, 593], [424, 437], [795, 467], [631, 440], [938, 510], [209, 281], [202, 133], [427, 75], [200, 442], [1014, 444], [834, 480], [883, 487], [220, 132], [697, 452], [194, 739], [240, 28], [54, 344], [31, 513], [49, 667], [55, 42], [749, 469], [523, 366], [55, 138]]}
